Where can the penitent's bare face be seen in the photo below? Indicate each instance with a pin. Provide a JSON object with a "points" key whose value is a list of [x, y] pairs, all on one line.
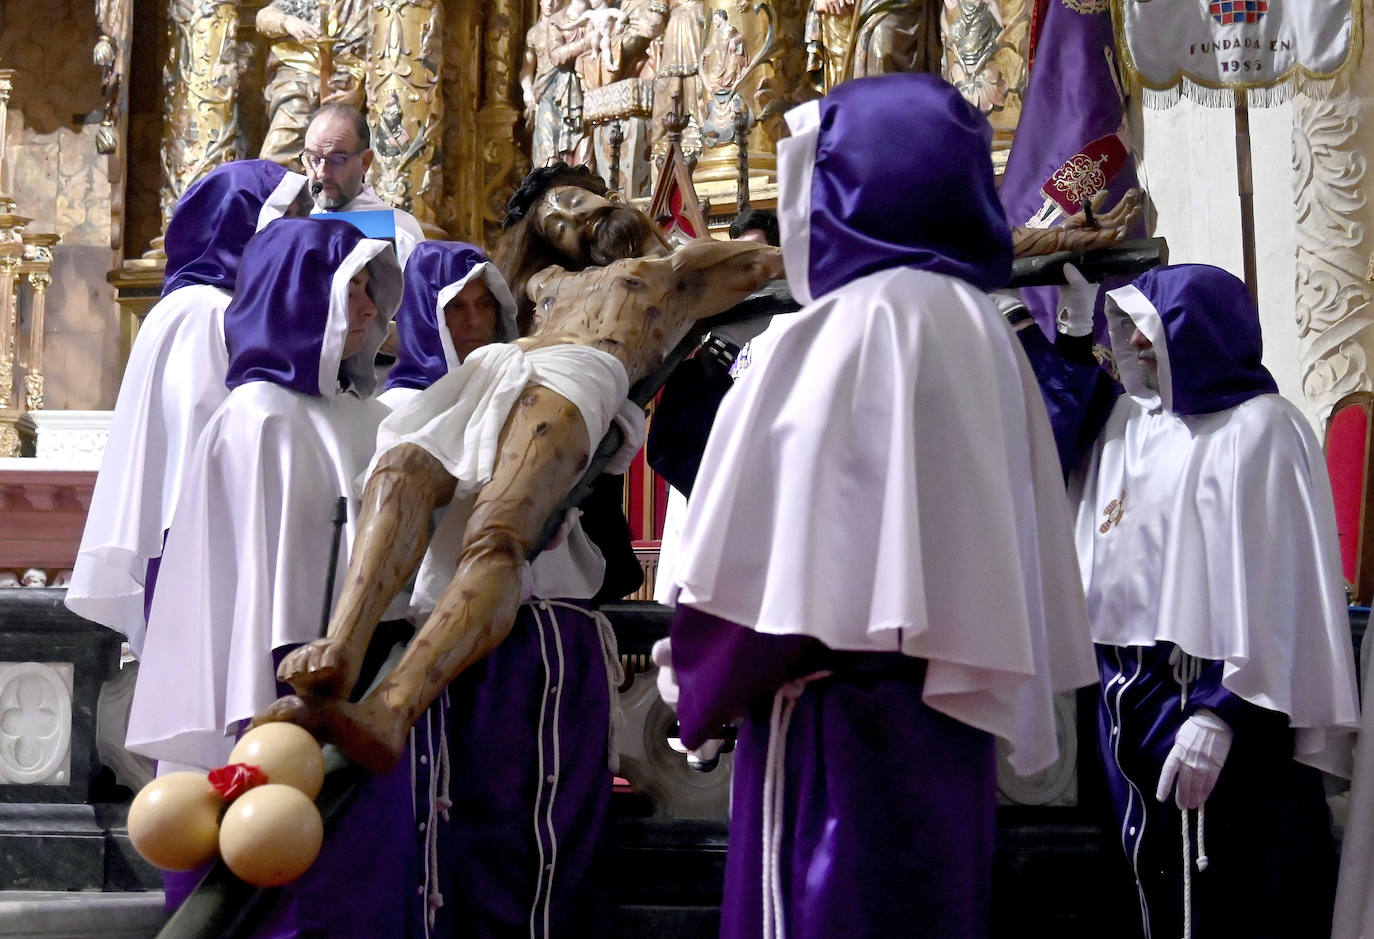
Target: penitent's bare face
{"points": [[471, 317]]}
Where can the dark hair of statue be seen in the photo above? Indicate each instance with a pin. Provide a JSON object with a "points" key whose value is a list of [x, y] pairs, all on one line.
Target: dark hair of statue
{"points": [[349, 113]]}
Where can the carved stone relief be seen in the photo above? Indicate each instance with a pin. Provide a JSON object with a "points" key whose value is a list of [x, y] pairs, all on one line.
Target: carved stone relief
{"points": [[1335, 329], [35, 722]]}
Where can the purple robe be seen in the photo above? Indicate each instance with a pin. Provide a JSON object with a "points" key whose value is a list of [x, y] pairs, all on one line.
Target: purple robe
{"points": [[921, 867], [1272, 860], [1271, 868]]}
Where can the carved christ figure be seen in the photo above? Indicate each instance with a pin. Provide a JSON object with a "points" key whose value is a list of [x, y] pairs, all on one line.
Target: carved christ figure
{"points": [[608, 326]]}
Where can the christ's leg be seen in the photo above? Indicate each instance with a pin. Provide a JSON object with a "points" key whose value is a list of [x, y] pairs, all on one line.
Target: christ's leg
{"points": [[402, 493], [543, 451]]}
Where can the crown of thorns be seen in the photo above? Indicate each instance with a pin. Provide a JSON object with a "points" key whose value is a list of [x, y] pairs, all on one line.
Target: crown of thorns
{"points": [[542, 179]]}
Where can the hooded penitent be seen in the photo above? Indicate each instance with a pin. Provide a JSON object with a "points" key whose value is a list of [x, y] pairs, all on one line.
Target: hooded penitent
{"points": [[856, 489], [1205, 517], [288, 324], [245, 565], [436, 273], [218, 214], [894, 174], [173, 383]]}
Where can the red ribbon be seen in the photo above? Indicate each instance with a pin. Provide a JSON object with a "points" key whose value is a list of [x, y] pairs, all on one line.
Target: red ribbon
{"points": [[235, 779]]}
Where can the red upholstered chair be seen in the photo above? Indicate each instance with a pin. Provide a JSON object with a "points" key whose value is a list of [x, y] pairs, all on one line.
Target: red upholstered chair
{"points": [[1347, 447]]}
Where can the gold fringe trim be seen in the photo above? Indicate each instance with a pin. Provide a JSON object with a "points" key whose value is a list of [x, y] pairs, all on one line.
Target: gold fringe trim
{"points": [[1296, 79]]}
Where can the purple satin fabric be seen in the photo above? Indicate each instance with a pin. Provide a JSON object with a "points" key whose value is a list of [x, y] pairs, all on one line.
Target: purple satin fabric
{"points": [[433, 265], [213, 221], [1071, 100], [1272, 859], [526, 854], [888, 808], [1212, 330], [903, 178], [274, 327]]}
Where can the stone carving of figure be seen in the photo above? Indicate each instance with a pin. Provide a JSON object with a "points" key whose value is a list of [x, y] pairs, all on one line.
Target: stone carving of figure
{"points": [[391, 137], [604, 23], [973, 36], [724, 61], [619, 90], [293, 66], [877, 37], [679, 70], [551, 87]]}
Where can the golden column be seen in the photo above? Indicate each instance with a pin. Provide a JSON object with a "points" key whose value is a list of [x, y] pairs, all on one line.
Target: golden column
{"points": [[405, 106], [11, 254], [36, 269], [200, 81], [503, 163]]}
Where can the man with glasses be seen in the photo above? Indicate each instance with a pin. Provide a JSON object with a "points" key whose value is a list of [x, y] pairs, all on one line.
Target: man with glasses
{"points": [[337, 156]]}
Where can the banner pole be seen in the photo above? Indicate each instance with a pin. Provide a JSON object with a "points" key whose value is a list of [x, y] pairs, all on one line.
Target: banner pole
{"points": [[1245, 187]]}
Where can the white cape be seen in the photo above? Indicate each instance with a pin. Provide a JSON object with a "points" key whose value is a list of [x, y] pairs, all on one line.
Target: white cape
{"points": [[245, 565], [884, 479], [172, 385], [1225, 546]]}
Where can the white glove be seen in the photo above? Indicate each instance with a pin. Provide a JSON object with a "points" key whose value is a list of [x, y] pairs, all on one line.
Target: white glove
{"points": [[662, 656], [1200, 749], [1074, 315], [1007, 300]]}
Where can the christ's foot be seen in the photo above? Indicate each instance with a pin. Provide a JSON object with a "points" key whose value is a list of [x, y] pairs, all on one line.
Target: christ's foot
{"points": [[323, 667], [366, 732]]}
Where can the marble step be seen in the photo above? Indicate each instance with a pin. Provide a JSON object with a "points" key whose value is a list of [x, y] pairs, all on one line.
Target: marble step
{"points": [[45, 914]]}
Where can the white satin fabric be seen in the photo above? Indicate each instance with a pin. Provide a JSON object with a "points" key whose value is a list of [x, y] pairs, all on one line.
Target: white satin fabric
{"points": [[172, 384], [245, 565], [1225, 545], [1165, 40], [408, 230], [885, 479]]}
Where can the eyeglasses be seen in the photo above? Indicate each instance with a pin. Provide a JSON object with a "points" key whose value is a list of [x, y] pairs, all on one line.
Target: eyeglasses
{"points": [[335, 161]]}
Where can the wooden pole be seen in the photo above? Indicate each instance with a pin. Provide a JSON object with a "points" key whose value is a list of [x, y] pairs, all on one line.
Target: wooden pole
{"points": [[1245, 187]]}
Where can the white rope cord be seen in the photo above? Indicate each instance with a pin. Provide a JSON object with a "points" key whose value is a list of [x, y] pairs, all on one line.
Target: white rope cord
{"points": [[615, 677], [774, 784], [1187, 879], [1187, 670]]}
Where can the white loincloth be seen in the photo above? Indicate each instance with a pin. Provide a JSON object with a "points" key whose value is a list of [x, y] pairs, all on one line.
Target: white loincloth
{"points": [[458, 420]]}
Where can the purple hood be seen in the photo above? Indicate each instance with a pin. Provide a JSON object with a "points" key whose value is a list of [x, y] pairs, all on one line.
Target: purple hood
{"points": [[1205, 331], [217, 215], [435, 273], [886, 172], [288, 320]]}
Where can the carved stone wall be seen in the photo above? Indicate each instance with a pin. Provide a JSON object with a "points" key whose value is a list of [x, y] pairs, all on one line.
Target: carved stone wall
{"points": [[1335, 257], [58, 178]]}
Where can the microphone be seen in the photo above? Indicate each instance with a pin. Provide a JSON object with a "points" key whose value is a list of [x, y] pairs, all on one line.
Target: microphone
{"points": [[316, 188]]}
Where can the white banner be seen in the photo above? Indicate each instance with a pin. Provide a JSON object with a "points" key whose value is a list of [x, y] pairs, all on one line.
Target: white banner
{"points": [[1237, 43]]}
